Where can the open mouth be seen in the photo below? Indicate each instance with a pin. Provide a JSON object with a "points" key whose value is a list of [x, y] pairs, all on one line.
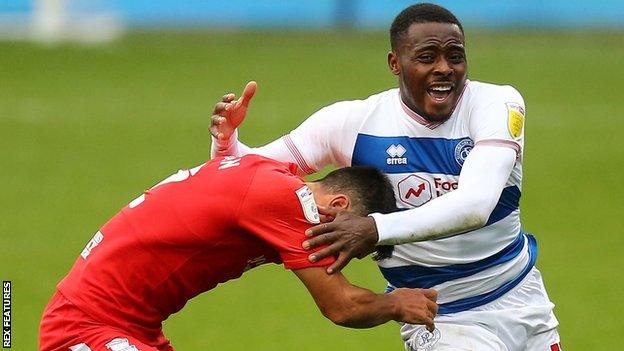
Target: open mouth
{"points": [[440, 92]]}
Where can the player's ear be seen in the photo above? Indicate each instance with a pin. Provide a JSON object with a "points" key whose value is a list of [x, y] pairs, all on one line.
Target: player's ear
{"points": [[339, 201], [393, 63]]}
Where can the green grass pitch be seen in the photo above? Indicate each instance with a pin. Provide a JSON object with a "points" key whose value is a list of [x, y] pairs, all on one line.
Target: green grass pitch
{"points": [[84, 129]]}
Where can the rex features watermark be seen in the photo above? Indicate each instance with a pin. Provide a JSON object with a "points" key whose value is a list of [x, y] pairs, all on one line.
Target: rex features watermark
{"points": [[6, 314]]}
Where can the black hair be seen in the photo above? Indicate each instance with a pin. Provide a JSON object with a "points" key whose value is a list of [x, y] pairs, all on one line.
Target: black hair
{"points": [[419, 13], [369, 191]]}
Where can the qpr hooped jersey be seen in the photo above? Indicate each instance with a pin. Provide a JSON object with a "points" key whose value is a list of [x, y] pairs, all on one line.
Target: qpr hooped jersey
{"points": [[423, 161]]}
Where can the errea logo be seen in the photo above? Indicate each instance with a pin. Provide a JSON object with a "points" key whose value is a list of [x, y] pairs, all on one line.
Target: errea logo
{"points": [[396, 153]]}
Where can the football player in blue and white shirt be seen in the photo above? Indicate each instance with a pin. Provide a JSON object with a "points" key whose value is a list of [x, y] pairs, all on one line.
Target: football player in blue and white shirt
{"points": [[453, 148]]}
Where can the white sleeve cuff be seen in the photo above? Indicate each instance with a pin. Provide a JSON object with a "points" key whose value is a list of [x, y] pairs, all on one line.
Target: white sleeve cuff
{"points": [[383, 229], [225, 147]]}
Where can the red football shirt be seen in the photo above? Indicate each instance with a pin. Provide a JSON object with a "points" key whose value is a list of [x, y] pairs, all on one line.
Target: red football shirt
{"points": [[192, 231]]}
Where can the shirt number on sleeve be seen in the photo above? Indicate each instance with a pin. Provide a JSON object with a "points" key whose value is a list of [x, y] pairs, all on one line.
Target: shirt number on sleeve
{"points": [[97, 239]]}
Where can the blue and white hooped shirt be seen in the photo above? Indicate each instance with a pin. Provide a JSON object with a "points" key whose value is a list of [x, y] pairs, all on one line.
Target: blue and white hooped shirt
{"points": [[423, 160]]}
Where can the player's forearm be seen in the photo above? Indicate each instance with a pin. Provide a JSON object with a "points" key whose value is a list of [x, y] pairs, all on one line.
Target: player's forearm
{"points": [[451, 214], [351, 306], [481, 183], [361, 308]]}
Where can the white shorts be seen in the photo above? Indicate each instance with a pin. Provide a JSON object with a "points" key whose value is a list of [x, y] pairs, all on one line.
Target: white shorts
{"points": [[520, 320]]}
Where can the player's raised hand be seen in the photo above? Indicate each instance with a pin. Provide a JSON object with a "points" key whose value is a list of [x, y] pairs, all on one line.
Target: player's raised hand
{"points": [[416, 306], [229, 113], [348, 236]]}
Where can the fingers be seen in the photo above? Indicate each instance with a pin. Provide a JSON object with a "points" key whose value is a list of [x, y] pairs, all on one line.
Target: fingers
{"points": [[320, 240], [221, 107], [248, 93], [432, 307], [228, 97], [219, 114], [430, 294], [427, 317], [321, 254], [228, 101], [216, 120], [342, 260], [320, 229], [215, 123], [214, 131]]}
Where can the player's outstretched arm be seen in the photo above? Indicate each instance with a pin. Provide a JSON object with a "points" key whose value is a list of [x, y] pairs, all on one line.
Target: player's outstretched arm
{"points": [[354, 307]]}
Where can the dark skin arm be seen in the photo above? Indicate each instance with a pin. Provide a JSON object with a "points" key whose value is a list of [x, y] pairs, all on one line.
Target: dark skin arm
{"points": [[348, 236], [354, 307]]}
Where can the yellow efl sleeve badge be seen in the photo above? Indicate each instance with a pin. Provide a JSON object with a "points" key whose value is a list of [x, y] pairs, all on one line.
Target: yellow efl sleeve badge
{"points": [[515, 119]]}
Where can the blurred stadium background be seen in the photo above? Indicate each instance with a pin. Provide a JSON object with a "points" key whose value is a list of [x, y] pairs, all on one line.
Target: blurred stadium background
{"points": [[100, 99]]}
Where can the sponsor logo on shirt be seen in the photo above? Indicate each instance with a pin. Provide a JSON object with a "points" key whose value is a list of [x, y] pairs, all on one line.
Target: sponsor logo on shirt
{"points": [[414, 190], [119, 344], [462, 149], [515, 119], [310, 211], [443, 186], [396, 153], [80, 347]]}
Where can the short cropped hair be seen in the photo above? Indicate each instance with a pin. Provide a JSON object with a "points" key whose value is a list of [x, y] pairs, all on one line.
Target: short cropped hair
{"points": [[369, 190], [419, 13]]}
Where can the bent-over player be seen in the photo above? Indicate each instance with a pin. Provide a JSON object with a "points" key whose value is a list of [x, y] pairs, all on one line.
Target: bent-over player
{"points": [[207, 225]]}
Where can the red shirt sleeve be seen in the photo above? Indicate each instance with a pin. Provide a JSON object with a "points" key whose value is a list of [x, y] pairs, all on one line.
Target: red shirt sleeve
{"points": [[273, 211]]}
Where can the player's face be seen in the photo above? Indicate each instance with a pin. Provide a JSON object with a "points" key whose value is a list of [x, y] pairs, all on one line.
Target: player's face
{"points": [[430, 61]]}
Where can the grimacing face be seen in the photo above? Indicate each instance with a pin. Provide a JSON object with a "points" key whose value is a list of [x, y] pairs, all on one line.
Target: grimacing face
{"points": [[430, 62]]}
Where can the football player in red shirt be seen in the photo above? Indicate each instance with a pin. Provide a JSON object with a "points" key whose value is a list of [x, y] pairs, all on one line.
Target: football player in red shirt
{"points": [[205, 226]]}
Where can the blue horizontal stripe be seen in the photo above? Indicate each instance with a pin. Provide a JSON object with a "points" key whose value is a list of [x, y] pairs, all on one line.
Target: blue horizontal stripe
{"points": [[509, 201], [425, 277], [480, 300], [427, 155]]}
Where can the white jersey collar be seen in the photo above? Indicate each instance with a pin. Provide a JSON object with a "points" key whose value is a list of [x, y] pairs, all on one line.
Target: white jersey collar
{"points": [[422, 120]]}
